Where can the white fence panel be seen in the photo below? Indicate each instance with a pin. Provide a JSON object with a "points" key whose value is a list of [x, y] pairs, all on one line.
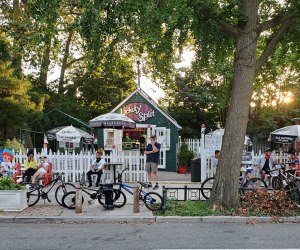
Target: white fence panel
{"points": [[74, 165]]}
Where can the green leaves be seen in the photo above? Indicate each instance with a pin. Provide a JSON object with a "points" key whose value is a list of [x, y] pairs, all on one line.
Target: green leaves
{"points": [[6, 183]]}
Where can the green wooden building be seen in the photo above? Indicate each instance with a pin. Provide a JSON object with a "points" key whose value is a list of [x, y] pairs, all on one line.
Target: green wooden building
{"points": [[150, 119]]}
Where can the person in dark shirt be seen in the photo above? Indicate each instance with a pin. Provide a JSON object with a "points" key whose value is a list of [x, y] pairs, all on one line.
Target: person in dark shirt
{"points": [[152, 158]]}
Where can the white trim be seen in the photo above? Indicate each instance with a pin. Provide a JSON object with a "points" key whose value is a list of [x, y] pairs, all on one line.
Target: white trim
{"points": [[152, 102]]}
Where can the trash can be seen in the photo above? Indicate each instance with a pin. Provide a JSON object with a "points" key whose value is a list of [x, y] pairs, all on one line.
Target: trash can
{"points": [[108, 196], [196, 170]]}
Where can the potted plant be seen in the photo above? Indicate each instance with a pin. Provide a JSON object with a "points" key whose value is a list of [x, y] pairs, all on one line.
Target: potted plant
{"points": [[12, 195], [185, 156]]}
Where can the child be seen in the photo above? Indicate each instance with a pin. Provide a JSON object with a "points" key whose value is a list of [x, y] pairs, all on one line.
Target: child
{"points": [[42, 168]]}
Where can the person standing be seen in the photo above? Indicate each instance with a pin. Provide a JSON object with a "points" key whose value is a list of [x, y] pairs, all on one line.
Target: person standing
{"points": [[215, 159], [152, 157], [265, 163], [96, 168], [30, 167]]}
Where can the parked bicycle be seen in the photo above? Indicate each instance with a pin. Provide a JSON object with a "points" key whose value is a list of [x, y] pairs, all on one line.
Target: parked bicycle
{"points": [[35, 191], [246, 184], [286, 180], [69, 199], [152, 200]]}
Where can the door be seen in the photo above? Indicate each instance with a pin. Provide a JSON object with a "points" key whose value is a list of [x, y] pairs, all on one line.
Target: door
{"points": [[163, 137]]}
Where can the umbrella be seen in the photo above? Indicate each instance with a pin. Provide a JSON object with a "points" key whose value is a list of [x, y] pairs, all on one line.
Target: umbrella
{"points": [[69, 134], [112, 120], [286, 134], [220, 132]]}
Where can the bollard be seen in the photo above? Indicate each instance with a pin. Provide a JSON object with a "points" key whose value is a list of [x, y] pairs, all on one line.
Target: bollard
{"points": [[136, 199], [78, 201], [164, 207]]}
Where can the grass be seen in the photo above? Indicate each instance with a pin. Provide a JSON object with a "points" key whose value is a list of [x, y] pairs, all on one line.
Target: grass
{"points": [[188, 208], [201, 208]]}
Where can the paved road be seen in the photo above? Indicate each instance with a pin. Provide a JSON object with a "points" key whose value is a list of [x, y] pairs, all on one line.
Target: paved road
{"points": [[149, 236]]}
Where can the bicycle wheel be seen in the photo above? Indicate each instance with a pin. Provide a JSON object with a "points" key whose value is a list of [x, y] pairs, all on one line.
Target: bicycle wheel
{"points": [[61, 190], [153, 201], [253, 184], [69, 200], [276, 183], [33, 194], [294, 191], [119, 198], [206, 187]]}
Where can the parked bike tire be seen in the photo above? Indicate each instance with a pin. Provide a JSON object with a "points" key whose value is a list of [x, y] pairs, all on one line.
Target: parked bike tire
{"points": [[62, 190], [206, 187], [69, 200], [253, 184], [277, 183], [32, 195], [294, 191], [119, 198], [153, 201]]}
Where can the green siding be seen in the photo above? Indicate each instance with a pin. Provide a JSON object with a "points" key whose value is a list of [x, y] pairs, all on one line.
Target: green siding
{"points": [[160, 121]]}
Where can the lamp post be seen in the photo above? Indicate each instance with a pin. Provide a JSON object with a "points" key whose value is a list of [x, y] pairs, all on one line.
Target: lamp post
{"points": [[139, 73]]}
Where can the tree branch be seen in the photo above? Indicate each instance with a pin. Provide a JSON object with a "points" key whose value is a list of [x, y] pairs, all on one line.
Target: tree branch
{"points": [[275, 21], [75, 60], [270, 47], [226, 26]]}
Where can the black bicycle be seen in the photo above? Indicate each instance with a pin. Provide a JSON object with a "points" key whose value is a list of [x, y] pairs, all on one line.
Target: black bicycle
{"points": [[69, 199], [247, 183], [35, 191], [287, 181]]}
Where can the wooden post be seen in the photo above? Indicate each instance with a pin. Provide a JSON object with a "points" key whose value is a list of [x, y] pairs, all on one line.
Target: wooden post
{"points": [[136, 198], [78, 201]]}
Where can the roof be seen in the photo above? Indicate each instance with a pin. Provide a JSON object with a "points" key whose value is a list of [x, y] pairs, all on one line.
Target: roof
{"points": [[151, 101]]}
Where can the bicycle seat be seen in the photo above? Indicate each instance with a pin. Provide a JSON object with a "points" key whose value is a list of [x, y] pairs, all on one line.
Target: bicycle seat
{"points": [[144, 185]]}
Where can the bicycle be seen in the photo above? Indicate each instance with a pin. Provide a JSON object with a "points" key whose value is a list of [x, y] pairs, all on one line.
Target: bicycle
{"points": [[69, 199], [37, 191], [152, 200], [246, 184], [287, 181]]}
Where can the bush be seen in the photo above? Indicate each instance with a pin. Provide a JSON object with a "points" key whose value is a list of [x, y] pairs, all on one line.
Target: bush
{"points": [[15, 145], [6, 183], [185, 155]]}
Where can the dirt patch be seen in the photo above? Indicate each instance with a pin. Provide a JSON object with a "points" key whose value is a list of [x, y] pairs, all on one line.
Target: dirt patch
{"points": [[37, 210]]}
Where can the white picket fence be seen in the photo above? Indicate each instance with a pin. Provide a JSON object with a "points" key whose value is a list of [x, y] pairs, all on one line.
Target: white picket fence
{"points": [[73, 165], [194, 145]]}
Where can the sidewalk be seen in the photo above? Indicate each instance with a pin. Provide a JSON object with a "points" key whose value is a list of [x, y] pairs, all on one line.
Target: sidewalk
{"points": [[95, 213]]}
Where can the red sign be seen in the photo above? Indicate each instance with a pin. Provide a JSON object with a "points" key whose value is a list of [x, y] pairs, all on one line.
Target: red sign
{"points": [[138, 111]]}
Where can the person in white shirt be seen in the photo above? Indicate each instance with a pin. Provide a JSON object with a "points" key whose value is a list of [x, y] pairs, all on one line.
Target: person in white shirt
{"points": [[42, 168], [215, 159], [96, 168]]}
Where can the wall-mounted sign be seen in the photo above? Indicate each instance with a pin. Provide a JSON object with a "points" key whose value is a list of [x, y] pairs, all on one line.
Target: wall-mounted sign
{"points": [[138, 111]]}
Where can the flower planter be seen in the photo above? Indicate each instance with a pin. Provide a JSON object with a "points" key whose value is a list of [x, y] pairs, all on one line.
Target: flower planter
{"points": [[182, 169], [13, 200]]}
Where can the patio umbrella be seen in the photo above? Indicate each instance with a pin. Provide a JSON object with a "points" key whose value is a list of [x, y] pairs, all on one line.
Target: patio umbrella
{"points": [[112, 120], [221, 131], [69, 134], [286, 134]]}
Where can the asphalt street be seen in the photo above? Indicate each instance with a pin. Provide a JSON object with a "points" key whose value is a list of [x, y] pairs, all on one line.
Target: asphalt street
{"points": [[149, 236]]}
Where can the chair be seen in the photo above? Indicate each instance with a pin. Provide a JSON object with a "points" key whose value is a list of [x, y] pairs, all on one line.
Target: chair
{"points": [[48, 176], [18, 172]]}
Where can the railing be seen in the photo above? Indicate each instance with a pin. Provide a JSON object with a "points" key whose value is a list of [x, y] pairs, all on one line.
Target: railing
{"points": [[180, 194]]}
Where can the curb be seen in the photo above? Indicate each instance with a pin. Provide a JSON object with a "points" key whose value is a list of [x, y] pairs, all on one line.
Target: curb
{"points": [[82, 219], [226, 219], [148, 219]]}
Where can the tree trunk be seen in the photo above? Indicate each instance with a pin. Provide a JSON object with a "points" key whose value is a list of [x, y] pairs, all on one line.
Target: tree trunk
{"points": [[64, 65], [227, 175], [45, 65]]}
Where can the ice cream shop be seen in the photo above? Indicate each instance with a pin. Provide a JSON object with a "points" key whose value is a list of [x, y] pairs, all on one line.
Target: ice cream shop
{"points": [[149, 119]]}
